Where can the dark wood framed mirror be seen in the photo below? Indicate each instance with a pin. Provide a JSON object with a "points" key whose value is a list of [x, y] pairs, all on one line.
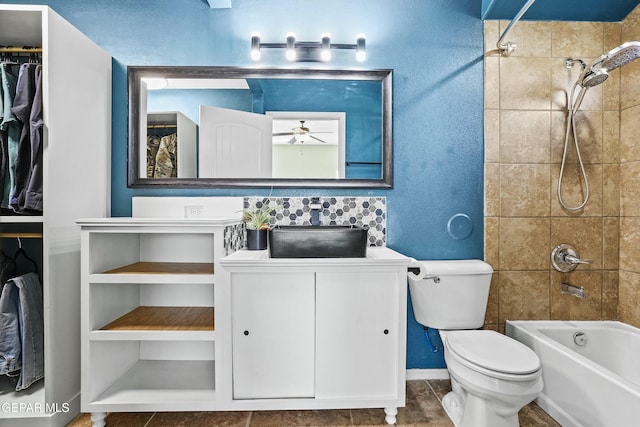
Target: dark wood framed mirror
{"points": [[199, 127]]}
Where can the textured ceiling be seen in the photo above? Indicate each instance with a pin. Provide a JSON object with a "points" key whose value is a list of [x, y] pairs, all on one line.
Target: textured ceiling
{"points": [[560, 10]]}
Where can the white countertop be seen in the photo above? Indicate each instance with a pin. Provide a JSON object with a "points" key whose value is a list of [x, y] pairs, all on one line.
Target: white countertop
{"points": [[138, 221], [380, 256]]}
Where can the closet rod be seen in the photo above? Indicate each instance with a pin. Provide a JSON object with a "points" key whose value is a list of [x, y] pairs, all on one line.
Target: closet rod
{"points": [[161, 126], [20, 50], [21, 235]]}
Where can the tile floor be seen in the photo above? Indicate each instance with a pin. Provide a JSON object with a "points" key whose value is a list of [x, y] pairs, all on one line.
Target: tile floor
{"points": [[423, 410]]}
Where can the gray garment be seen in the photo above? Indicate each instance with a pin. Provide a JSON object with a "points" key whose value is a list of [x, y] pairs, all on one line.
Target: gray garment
{"points": [[9, 129], [22, 330], [22, 106], [33, 191]]}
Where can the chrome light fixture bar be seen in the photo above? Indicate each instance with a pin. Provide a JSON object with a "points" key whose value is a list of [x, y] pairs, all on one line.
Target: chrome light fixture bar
{"points": [[308, 51]]}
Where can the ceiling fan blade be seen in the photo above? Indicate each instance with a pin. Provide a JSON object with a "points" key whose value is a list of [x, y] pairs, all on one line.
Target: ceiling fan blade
{"points": [[282, 133], [318, 139]]}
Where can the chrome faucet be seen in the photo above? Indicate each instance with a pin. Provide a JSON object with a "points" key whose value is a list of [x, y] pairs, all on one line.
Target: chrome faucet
{"points": [[315, 207]]}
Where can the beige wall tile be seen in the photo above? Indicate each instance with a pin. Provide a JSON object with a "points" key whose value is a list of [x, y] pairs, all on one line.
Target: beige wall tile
{"points": [[524, 295], [630, 244], [525, 83], [574, 191], [610, 295], [611, 243], [492, 315], [630, 189], [524, 190], [492, 189], [630, 134], [491, 241], [589, 126], [611, 136], [584, 234], [491, 35], [524, 244], [612, 33], [524, 136], [577, 39], [611, 92], [631, 26], [611, 189], [491, 82], [630, 89], [532, 38], [569, 307], [629, 298], [492, 135]]}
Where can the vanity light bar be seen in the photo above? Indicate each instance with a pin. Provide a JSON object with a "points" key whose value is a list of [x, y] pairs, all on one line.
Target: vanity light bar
{"points": [[308, 51]]}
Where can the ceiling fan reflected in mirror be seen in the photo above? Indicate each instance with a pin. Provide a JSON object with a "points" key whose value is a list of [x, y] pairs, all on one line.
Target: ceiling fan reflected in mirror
{"points": [[300, 134]]}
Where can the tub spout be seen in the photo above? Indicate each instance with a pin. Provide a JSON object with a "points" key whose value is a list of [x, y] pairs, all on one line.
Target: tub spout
{"points": [[576, 291]]}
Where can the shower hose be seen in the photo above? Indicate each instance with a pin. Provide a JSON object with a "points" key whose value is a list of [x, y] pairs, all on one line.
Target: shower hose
{"points": [[571, 131]]}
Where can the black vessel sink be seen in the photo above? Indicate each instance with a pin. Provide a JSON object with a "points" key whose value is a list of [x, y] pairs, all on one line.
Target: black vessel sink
{"points": [[312, 241]]}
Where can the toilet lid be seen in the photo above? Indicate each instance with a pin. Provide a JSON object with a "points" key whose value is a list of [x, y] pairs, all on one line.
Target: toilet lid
{"points": [[493, 351]]}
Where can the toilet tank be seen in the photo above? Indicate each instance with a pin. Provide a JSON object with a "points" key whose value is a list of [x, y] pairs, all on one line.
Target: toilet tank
{"points": [[459, 298]]}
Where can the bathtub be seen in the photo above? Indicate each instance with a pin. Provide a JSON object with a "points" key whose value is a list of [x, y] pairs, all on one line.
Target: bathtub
{"points": [[596, 384]]}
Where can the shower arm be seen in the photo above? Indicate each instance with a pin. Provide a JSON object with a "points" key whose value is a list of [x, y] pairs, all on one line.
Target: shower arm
{"points": [[507, 48]]}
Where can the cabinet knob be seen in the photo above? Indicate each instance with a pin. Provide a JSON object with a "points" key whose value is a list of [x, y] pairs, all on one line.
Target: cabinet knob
{"points": [[386, 332], [246, 332]]}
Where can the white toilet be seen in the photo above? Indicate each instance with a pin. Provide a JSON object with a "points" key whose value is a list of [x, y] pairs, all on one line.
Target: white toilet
{"points": [[492, 375]]}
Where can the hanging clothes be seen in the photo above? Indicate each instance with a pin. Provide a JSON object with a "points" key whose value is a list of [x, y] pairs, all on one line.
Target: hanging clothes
{"points": [[166, 165], [22, 330], [153, 143], [22, 107], [9, 129], [33, 191]]}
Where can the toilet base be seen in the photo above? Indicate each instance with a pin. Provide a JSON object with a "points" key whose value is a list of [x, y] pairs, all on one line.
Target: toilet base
{"points": [[475, 412]]}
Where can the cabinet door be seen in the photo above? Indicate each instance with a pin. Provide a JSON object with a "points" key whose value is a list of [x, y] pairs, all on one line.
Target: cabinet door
{"points": [[273, 320], [357, 335]]}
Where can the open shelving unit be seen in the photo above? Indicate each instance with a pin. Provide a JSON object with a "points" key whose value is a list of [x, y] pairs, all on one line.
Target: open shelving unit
{"points": [[148, 314]]}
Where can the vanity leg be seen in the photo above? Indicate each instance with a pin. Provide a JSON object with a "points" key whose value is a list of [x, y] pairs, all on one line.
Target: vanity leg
{"points": [[97, 418], [390, 415]]}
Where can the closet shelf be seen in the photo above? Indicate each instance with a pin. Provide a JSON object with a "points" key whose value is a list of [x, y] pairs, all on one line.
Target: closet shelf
{"points": [[164, 268], [147, 318]]}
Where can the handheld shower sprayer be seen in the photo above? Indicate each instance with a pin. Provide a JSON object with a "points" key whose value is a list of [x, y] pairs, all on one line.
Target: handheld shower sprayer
{"points": [[592, 75]]}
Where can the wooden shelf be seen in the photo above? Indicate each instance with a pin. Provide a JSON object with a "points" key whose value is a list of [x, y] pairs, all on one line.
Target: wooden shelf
{"points": [[164, 319], [164, 268]]}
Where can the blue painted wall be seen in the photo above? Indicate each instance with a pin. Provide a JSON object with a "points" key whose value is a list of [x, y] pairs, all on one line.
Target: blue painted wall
{"points": [[434, 48]]}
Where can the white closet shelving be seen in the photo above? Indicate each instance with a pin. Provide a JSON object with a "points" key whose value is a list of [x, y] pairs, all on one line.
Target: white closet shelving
{"points": [[76, 155]]}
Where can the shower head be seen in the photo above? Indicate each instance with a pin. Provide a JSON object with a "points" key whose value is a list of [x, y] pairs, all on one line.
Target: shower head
{"points": [[598, 72], [620, 55], [594, 77]]}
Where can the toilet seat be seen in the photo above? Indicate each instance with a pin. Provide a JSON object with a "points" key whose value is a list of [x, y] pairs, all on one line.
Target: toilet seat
{"points": [[493, 354]]}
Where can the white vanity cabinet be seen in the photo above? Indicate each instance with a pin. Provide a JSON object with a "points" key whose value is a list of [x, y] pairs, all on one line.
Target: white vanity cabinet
{"points": [[273, 319], [330, 333], [357, 334]]}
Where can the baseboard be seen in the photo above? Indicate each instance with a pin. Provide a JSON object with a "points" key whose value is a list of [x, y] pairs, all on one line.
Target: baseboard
{"points": [[427, 374]]}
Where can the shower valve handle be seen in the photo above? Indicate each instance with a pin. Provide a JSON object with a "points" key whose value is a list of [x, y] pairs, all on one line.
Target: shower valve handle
{"points": [[564, 258], [575, 260]]}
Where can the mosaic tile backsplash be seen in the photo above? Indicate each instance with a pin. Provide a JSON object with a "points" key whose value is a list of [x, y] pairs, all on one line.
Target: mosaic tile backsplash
{"points": [[369, 213]]}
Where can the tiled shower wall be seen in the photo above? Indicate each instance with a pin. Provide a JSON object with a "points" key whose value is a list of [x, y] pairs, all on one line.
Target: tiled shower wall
{"points": [[629, 292], [525, 118]]}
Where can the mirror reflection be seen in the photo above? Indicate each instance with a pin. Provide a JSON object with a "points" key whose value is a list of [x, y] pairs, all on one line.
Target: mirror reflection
{"points": [[219, 126]]}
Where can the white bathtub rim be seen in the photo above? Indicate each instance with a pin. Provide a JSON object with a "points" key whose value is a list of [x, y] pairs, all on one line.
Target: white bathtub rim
{"points": [[528, 326]]}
